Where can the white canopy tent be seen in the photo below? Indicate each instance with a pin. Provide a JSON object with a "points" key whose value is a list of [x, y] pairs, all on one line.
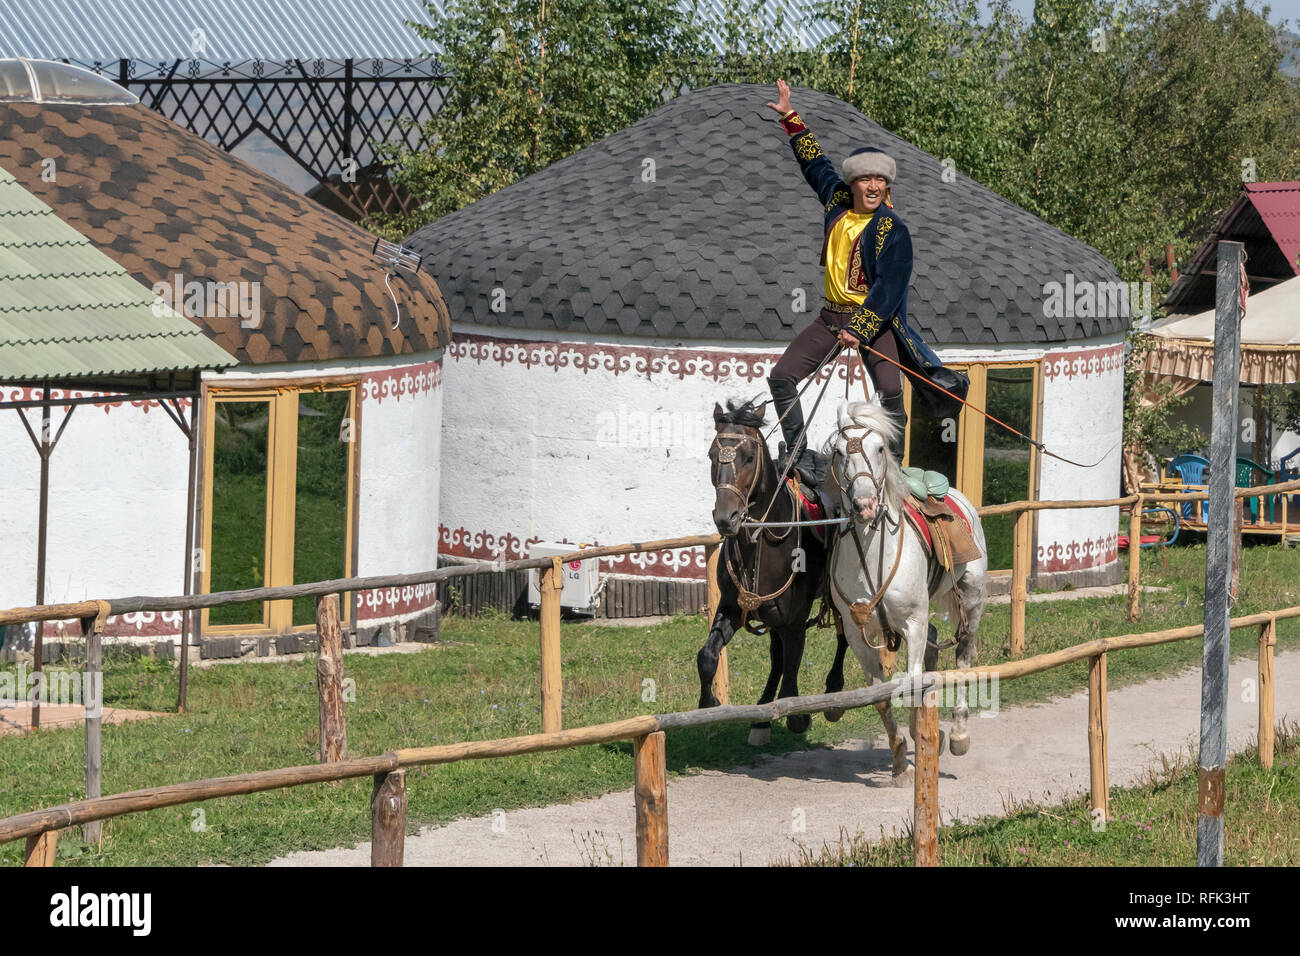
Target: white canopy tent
{"points": [[1270, 341]]}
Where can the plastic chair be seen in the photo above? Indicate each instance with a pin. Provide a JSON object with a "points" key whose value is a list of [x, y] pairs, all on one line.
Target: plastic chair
{"points": [[1191, 469], [1288, 472], [1246, 469], [1285, 472]]}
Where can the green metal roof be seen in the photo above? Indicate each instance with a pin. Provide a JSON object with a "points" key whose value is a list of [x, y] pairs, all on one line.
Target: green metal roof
{"points": [[69, 311]]}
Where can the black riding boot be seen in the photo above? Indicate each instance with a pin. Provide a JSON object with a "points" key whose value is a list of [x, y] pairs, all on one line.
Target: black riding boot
{"points": [[894, 405], [785, 395]]}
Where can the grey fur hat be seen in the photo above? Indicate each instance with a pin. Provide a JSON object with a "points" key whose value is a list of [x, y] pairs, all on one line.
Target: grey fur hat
{"points": [[869, 161]]}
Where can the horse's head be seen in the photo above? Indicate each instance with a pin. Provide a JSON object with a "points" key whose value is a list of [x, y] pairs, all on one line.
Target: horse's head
{"points": [[738, 461], [867, 476]]}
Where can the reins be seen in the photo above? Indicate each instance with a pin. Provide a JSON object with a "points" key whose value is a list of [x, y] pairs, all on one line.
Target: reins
{"points": [[748, 598], [997, 421]]}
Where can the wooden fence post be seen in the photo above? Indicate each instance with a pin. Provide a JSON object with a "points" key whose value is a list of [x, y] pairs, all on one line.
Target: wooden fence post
{"points": [[92, 692], [1097, 748], [388, 819], [722, 676], [1267, 641], [651, 792], [1134, 559], [1019, 586], [551, 584], [1222, 529], [329, 679], [40, 849], [925, 804]]}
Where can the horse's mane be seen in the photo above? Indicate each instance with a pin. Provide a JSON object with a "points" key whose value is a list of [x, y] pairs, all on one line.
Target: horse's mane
{"points": [[876, 417], [746, 413]]}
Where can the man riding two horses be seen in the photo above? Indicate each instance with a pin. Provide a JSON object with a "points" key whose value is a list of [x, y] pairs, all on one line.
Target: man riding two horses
{"points": [[867, 254]]}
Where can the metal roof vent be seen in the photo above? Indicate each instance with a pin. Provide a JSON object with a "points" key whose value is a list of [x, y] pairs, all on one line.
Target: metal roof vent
{"points": [[47, 81]]}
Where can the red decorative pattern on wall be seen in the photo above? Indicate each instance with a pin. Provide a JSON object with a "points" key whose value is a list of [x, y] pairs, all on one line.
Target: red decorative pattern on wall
{"points": [[12, 394], [390, 602], [134, 624], [1078, 555], [399, 383], [685, 563], [629, 359], [1089, 363]]}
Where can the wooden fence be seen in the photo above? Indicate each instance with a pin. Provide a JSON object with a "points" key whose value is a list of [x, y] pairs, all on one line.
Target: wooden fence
{"points": [[389, 801]]}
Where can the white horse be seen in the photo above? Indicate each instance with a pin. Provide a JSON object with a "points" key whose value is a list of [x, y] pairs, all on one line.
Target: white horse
{"points": [[878, 539]]}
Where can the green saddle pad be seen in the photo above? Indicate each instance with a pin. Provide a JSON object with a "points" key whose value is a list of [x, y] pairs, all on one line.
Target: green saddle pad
{"points": [[925, 484]]}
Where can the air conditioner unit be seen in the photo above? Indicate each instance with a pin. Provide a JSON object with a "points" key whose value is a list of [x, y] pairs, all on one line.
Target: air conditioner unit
{"points": [[581, 580]]}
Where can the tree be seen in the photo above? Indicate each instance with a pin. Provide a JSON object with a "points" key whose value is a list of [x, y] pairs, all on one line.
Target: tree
{"points": [[532, 82]]}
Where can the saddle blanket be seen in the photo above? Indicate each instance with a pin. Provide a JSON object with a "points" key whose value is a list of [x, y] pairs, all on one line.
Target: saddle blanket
{"points": [[813, 508], [944, 528]]}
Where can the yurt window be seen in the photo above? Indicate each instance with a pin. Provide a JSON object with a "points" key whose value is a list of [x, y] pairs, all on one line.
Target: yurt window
{"points": [[278, 499], [987, 463]]}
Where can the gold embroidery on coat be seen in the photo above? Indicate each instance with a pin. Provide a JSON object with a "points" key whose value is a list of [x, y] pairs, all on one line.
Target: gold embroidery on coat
{"points": [[882, 233], [807, 147]]}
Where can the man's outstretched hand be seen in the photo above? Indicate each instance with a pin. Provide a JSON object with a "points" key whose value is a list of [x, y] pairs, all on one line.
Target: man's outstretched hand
{"points": [[782, 104]]}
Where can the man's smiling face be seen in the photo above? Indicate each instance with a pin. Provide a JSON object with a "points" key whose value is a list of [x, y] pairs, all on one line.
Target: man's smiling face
{"points": [[868, 193]]}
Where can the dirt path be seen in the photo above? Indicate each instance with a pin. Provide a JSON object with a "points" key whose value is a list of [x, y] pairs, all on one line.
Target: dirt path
{"points": [[752, 815]]}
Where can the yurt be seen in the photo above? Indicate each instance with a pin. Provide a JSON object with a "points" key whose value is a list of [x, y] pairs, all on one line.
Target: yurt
{"points": [[317, 456], [602, 306]]}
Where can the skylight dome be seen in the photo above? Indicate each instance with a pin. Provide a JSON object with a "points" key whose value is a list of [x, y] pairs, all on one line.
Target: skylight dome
{"points": [[47, 81]]}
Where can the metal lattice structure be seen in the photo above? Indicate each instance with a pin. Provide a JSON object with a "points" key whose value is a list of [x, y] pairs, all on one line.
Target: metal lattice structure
{"points": [[329, 117]]}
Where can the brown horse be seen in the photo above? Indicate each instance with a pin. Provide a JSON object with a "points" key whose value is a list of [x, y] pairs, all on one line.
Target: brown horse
{"points": [[773, 575]]}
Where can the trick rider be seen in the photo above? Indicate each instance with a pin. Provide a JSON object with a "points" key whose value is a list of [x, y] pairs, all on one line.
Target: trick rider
{"points": [[867, 252]]}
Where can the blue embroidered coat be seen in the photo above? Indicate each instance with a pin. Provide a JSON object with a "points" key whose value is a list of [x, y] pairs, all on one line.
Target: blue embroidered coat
{"points": [[885, 254]]}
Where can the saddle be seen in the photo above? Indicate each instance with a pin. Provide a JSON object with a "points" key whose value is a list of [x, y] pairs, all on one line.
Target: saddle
{"points": [[815, 506], [944, 529]]}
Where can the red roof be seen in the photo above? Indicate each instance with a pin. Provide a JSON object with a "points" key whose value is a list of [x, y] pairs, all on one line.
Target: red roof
{"points": [[1278, 205]]}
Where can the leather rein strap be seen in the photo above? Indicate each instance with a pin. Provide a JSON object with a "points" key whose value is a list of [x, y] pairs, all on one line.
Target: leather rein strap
{"points": [[748, 599]]}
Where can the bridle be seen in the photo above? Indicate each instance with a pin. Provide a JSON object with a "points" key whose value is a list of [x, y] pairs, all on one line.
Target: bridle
{"points": [[862, 610], [854, 447], [727, 456], [748, 598]]}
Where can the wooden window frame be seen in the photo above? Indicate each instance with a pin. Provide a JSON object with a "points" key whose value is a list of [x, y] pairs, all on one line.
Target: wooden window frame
{"points": [[969, 479], [281, 396]]}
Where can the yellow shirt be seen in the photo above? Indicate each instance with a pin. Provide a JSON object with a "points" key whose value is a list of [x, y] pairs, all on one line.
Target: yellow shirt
{"points": [[846, 283]]}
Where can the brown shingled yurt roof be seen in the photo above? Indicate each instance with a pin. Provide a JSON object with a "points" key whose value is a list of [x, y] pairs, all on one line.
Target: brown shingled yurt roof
{"points": [[160, 200]]}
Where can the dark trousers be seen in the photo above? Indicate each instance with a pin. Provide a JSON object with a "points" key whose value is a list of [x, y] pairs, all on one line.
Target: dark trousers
{"points": [[805, 354]]}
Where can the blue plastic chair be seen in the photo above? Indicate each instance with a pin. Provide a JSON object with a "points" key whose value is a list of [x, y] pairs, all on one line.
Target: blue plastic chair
{"points": [[1288, 472], [1191, 469]]}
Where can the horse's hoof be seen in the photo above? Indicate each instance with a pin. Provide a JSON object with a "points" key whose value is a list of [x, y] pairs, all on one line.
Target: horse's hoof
{"points": [[834, 714], [707, 702], [760, 736], [798, 723], [905, 779], [959, 744]]}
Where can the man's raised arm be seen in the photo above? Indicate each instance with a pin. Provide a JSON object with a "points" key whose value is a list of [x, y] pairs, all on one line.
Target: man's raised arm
{"points": [[816, 168]]}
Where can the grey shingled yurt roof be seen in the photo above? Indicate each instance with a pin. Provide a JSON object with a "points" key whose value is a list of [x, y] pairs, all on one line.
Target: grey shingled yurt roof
{"points": [[713, 246]]}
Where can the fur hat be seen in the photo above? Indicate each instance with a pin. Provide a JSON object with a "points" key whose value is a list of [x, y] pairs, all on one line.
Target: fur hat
{"points": [[869, 161]]}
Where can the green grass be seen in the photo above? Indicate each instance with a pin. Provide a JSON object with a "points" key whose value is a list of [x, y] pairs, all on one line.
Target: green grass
{"points": [[1153, 824], [248, 717]]}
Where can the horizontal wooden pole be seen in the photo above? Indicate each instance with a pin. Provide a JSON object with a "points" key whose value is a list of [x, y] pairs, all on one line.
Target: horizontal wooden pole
{"points": [[100, 808], [127, 605], [1043, 662], [193, 602], [133, 801], [1015, 507]]}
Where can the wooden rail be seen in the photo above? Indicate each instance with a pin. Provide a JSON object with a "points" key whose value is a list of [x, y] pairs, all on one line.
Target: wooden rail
{"points": [[388, 802], [333, 732]]}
